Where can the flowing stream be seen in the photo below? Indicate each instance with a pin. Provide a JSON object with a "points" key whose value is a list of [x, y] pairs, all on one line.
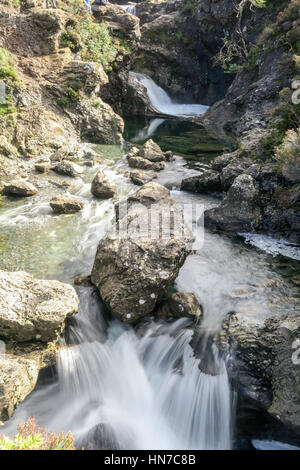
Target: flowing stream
{"points": [[116, 387]]}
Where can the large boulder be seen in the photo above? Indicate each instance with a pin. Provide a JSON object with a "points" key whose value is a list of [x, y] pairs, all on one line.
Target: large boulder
{"points": [[239, 210], [207, 182], [140, 258], [148, 157], [151, 151], [101, 187], [66, 204], [32, 309], [19, 187], [266, 365], [232, 171]]}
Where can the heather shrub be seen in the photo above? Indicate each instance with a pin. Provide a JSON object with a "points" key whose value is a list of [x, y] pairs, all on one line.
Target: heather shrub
{"points": [[30, 436]]}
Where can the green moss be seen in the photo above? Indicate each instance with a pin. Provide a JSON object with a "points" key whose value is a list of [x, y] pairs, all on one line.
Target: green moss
{"points": [[7, 66]]}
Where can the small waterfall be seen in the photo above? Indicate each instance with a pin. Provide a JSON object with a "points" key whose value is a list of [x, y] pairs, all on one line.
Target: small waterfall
{"points": [[130, 9], [127, 390], [161, 101]]}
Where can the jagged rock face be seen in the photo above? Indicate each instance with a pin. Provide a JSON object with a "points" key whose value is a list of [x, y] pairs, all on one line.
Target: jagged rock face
{"points": [[132, 270], [119, 20], [178, 45], [272, 205], [32, 309], [45, 73], [207, 182], [65, 204], [266, 366], [239, 210]]}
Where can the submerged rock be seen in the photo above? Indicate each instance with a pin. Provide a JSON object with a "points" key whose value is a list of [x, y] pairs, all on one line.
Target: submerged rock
{"points": [[101, 187], [19, 187], [138, 260], [32, 309], [65, 204], [180, 304], [240, 209], [141, 177]]}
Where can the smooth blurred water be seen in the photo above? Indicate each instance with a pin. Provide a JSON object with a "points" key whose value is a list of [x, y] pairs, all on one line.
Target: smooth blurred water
{"points": [[161, 101]]}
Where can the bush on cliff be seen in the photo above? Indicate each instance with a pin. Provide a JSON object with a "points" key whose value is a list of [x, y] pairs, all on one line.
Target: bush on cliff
{"points": [[93, 39], [7, 66]]}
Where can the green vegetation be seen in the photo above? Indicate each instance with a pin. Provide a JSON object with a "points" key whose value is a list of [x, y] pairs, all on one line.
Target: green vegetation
{"points": [[94, 40], [234, 53], [7, 67], [30, 436]]}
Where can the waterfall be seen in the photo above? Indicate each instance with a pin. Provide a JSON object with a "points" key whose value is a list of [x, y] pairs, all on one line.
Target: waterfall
{"points": [[121, 389], [130, 9], [161, 101]]}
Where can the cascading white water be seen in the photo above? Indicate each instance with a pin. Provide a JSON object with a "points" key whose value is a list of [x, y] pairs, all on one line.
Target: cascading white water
{"points": [[120, 390], [161, 101], [130, 9]]}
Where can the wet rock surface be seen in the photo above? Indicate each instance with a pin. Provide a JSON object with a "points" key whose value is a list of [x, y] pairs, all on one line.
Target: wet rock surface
{"points": [[18, 377], [101, 187], [148, 157], [65, 204], [33, 309], [141, 177], [19, 187], [133, 272], [207, 182], [239, 210], [265, 367], [179, 305]]}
